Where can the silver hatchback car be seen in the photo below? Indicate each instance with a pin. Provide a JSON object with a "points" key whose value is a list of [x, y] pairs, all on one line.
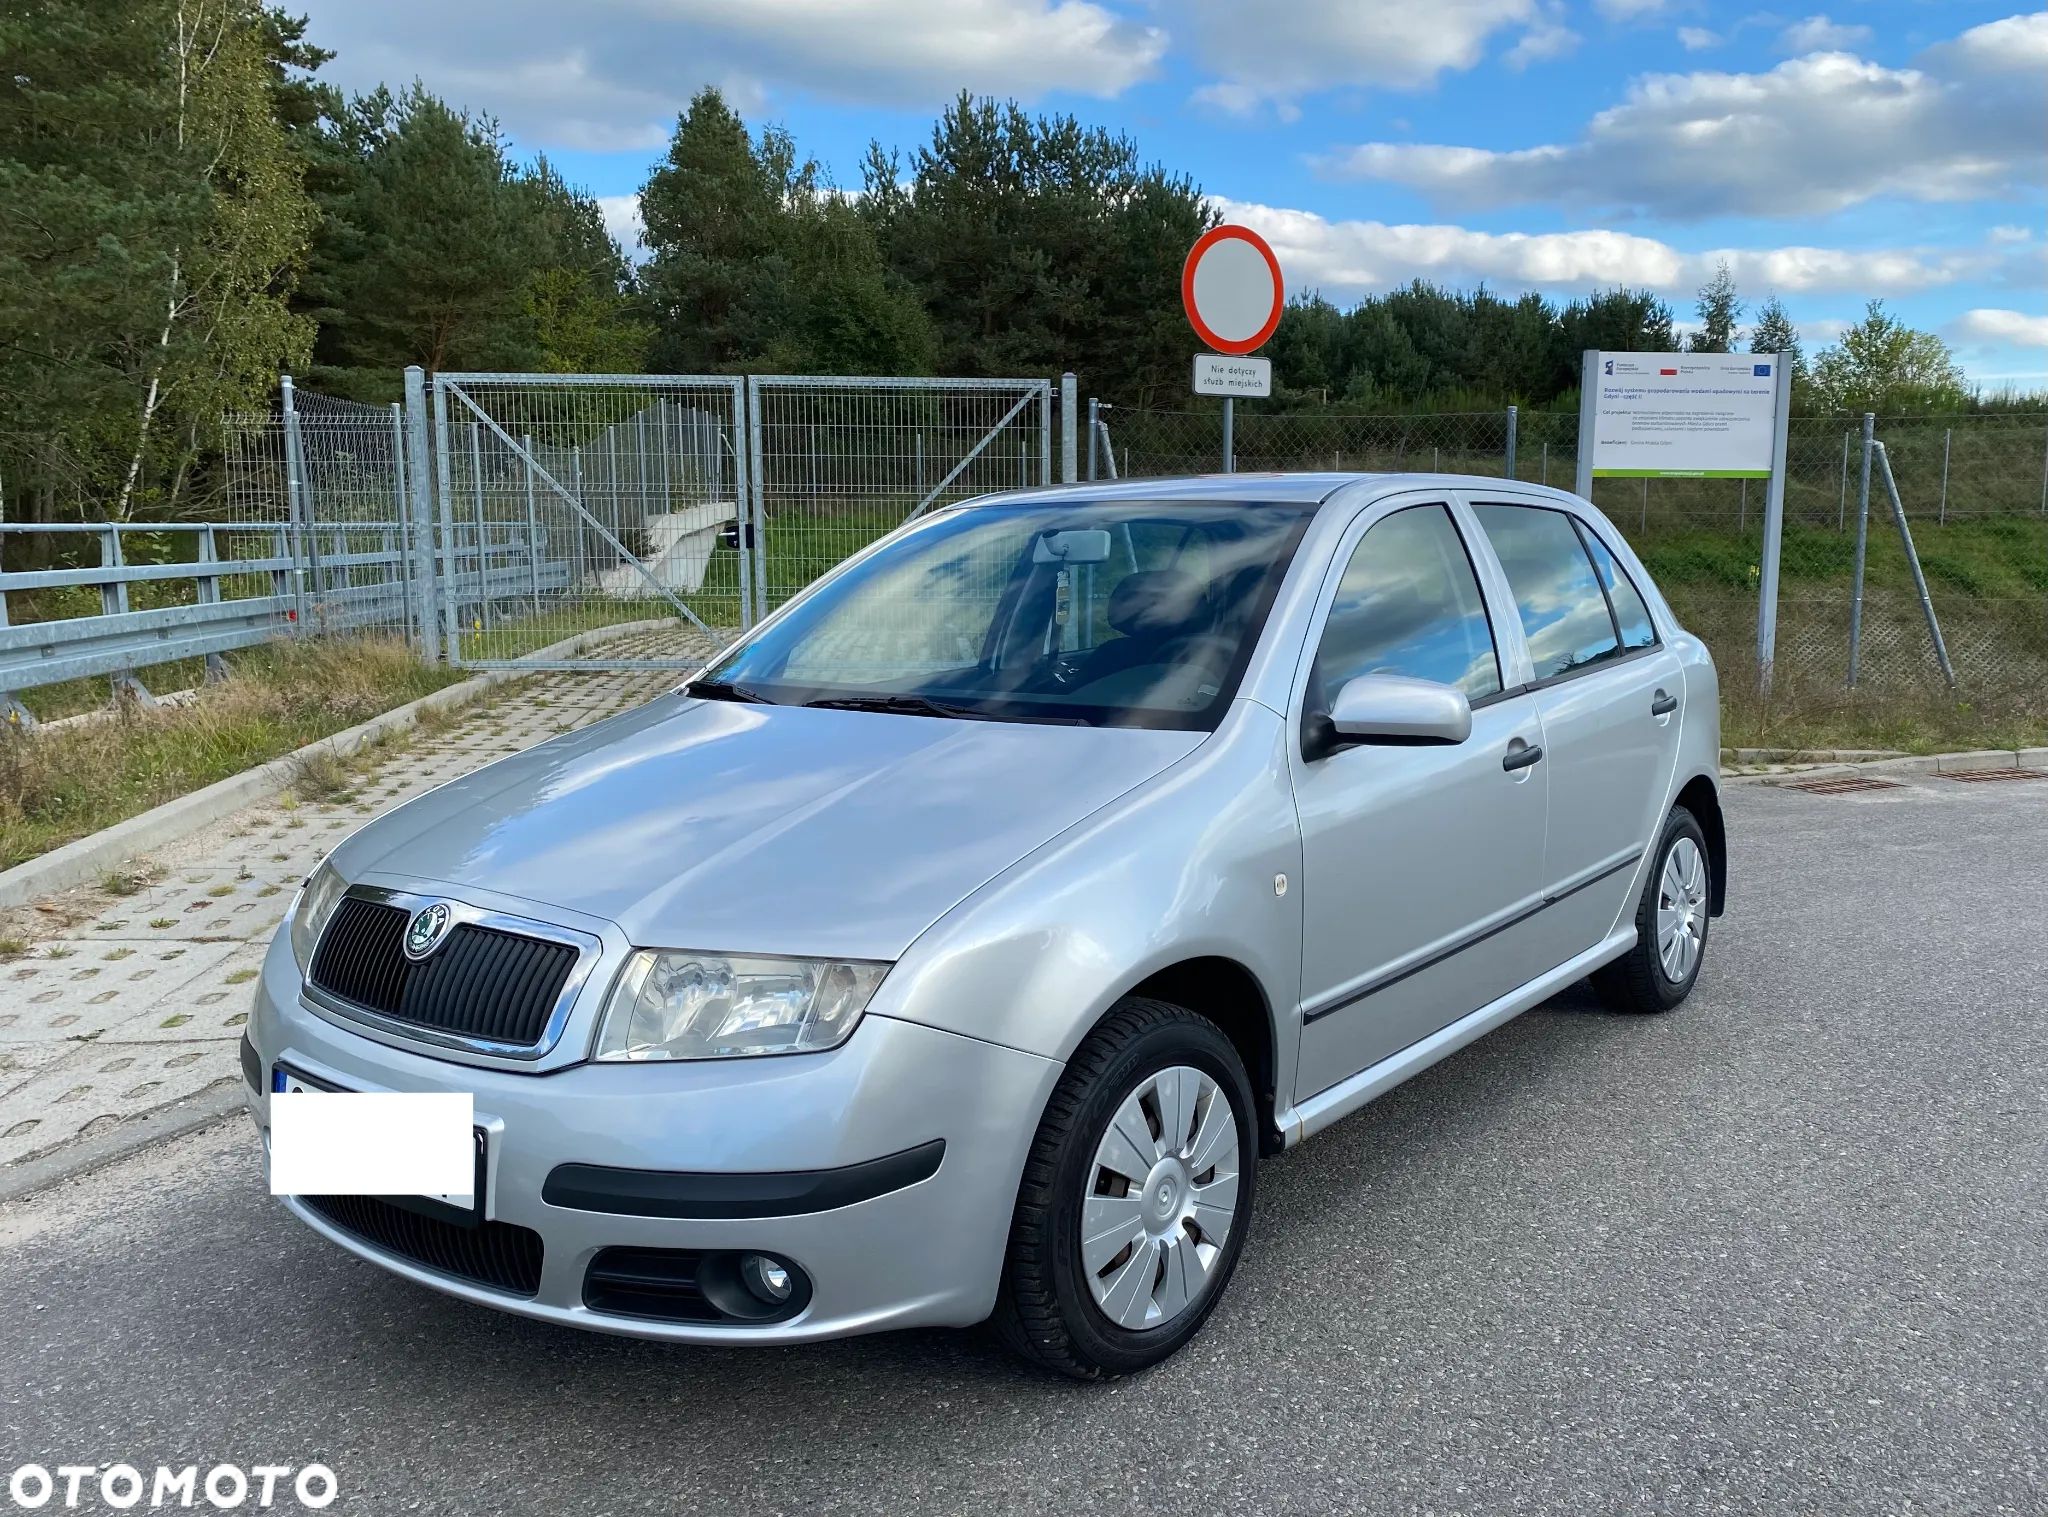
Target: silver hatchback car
{"points": [[958, 943]]}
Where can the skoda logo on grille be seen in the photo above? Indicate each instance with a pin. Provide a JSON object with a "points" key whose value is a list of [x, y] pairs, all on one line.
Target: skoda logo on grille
{"points": [[429, 925]]}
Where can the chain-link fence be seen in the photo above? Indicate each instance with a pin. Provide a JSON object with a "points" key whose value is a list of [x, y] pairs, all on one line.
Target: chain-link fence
{"points": [[841, 462], [572, 504], [1974, 488]]}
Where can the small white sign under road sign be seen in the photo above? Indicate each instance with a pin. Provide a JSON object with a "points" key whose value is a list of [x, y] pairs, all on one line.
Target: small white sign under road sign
{"points": [[1216, 374]]}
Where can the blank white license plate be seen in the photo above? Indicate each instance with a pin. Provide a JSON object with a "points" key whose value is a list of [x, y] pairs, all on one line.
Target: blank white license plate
{"points": [[351, 1143]]}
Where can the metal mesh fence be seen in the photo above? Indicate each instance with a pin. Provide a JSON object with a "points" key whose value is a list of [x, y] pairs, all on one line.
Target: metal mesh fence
{"points": [[576, 504], [840, 462], [1975, 491]]}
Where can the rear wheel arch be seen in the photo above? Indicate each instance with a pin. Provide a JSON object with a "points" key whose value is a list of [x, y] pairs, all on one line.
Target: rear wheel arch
{"points": [[1702, 797]]}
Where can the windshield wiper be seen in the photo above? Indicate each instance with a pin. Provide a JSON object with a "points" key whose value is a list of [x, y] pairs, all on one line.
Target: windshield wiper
{"points": [[719, 690], [923, 705]]}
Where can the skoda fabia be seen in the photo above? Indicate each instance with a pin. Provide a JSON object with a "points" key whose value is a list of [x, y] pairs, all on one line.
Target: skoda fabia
{"points": [[957, 944]]}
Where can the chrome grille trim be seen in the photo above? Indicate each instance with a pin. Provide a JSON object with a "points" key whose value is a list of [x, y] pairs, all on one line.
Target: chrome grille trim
{"points": [[589, 952]]}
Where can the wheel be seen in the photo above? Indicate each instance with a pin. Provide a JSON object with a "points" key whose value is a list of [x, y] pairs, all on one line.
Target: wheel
{"points": [[1135, 1197], [1671, 925]]}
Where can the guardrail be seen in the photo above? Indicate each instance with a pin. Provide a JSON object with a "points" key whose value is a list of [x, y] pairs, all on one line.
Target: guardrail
{"points": [[345, 588]]}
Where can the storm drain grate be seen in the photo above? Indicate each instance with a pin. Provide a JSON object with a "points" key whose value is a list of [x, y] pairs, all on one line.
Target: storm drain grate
{"points": [[1847, 784], [1974, 776]]}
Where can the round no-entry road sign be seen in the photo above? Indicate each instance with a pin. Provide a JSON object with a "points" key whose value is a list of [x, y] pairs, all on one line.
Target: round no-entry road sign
{"points": [[1232, 290]]}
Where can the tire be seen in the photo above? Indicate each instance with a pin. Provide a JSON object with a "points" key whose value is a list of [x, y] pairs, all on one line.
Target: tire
{"points": [[1654, 975], [1050, 1308]]}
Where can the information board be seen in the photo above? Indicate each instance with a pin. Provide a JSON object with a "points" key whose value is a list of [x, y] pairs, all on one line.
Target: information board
{"points": [[1683, 415]]}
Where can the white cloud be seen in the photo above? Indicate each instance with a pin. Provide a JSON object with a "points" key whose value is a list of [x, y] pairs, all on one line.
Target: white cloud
{"points": [[1819, 34], [618, 76], [1989, 325], [622, 220], [1697, 39], [1350, 258], [1541, 43], [2010, 236], [1629, 10], [1275, 51], [1813, 135]]}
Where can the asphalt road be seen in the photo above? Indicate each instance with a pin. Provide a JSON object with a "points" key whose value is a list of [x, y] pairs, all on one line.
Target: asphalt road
{"points": [[1785, 1251]]}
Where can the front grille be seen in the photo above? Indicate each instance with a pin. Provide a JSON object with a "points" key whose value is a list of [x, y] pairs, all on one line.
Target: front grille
{"points": [[657, 1283], [480, 983], [496, 1255]]}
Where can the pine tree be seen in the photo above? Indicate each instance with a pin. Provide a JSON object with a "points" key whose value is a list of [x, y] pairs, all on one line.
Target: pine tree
{"points": [[1719, 310], [1775, 333]]}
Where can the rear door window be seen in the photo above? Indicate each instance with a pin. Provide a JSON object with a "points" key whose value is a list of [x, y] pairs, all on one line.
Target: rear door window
{"points": [[1564, 611], [1631, 616]]}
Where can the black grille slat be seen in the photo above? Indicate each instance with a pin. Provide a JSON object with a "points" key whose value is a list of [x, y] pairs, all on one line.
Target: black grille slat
{"points": [[496, 1255], [482, 982]]}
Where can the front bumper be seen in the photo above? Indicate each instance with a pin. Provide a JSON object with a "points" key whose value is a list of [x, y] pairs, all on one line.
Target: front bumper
{"points": [[926, 1253]]}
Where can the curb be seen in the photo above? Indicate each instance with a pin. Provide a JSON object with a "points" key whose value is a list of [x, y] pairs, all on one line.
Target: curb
{"points": [[80, 1157], [86, 859], [1916, 763]]}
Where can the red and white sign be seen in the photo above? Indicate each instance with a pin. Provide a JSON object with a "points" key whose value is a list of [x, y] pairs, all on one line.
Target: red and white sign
{"points": [[1231, 288]]}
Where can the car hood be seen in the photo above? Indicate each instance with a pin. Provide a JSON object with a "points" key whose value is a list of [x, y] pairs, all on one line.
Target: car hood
{"points": [[757, 828]]}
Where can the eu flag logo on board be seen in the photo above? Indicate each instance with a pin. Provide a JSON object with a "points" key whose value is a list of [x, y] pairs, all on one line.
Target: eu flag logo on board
{"points": [[1760, 370]]}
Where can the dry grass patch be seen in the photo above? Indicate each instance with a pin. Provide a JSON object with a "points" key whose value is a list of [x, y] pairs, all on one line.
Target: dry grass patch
{"points": [[63, 783]]}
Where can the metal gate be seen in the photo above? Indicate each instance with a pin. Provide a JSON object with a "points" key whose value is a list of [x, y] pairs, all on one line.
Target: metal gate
{"points": [[839, 462], [590, 521]]}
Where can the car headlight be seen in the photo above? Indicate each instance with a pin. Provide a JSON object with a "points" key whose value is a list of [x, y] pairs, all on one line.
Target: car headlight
{"points": [[723, 1006], [322, 893]]}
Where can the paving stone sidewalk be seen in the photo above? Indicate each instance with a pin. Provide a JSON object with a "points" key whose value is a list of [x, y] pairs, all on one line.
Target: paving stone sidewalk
{"points": [[123, 1005]]}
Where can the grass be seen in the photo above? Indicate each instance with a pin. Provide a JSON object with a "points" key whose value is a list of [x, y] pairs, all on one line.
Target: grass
{"points": [[60, 784]]}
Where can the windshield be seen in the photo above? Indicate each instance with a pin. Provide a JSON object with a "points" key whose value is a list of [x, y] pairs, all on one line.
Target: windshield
{"points": [[1133, 613]]}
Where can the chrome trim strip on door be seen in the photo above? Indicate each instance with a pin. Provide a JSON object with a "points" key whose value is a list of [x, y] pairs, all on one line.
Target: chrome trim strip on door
{"points": [[589, 950]]}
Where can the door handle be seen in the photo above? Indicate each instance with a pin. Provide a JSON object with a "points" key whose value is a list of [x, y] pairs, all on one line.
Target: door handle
{"points": [[1664, 704], [1521, 755]]}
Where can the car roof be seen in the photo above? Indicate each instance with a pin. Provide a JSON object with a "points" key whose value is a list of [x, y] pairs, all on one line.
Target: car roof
{"points": [[1314, 488]]}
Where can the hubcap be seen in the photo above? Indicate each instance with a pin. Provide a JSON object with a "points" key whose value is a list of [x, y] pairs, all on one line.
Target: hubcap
{"points": [[1162, 1194], [1681, 910]]}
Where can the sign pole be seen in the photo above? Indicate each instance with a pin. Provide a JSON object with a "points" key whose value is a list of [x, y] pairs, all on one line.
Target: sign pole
{"points": [[1774, 530], [1231, 289], [1589, 402]]}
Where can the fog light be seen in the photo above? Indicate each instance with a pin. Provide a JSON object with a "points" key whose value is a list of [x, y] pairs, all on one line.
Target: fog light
{"points": [[768, 1280]]}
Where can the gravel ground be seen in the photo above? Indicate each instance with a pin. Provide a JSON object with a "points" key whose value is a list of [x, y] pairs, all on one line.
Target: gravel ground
{"points": [[1781, 1252]]}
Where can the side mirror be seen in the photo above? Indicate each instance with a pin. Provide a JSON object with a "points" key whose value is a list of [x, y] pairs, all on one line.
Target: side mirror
{"points": [[1395, 710]]}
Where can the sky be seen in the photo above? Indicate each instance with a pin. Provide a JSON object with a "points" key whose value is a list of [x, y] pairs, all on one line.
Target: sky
{"points": [[1893, 149]]}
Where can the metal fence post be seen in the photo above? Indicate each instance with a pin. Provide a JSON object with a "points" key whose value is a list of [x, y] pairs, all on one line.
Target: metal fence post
{"points": [[1229, 438], [426, 571], [532, 521], [1045, 434], [1948, 435], [1774, 531], [1546, 464], [1862, 549], [1094, 440], [114, 601], [2044, 474], [757, 482], [206, 590], [398, 565], [450, 582], [295, 503], [1070, 440], [1513, 413], [476, 474], [1891, 487]]}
